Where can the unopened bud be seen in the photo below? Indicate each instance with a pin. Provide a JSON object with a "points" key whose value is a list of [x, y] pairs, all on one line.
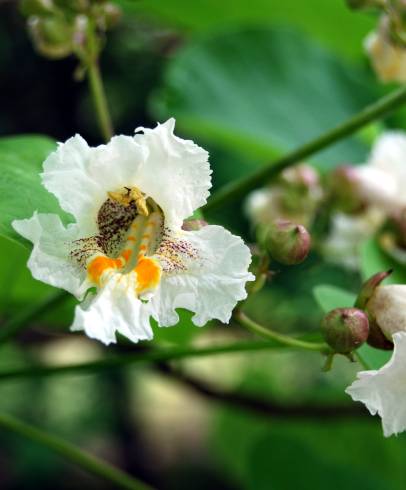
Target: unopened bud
{"points": [[301, 175], [287, 242], [193, 224], [111, 15], [344, 187], [345, 329], [371, 300], [368, 288], [52, 36]]}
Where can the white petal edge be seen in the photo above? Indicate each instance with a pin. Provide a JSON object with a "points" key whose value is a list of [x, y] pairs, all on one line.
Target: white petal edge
{"points": [[49, 261], [114, 308], [176, 172], [211, 286], [80, 176], [173, 171], [383, 391]]}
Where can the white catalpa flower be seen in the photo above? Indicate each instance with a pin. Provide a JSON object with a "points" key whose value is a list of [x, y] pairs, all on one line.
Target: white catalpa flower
{"points": [[126, 253], [388, 308], [383, 391], [388, 59], [348, 233], [382, 181]]}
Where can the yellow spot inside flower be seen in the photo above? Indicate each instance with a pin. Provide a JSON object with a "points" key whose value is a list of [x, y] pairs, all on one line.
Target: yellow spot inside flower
{"points": [[128, 195], [148, 273], [99, 265]]}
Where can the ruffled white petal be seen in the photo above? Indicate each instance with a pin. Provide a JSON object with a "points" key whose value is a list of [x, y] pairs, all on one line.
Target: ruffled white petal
{"points": [[49, 261], [80, 176], [114, 308], [388, 306], [176, 172], [212, 285], [347, 234], [383, 391], [173, 171], [382, 181]]}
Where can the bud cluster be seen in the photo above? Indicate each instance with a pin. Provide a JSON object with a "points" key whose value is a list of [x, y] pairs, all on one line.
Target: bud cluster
{"points": [[379, 312], [59, 28]]}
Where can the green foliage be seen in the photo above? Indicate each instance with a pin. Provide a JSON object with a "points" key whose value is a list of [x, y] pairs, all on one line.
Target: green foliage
{"points": [[318, 18], [313, 455], [21, 191], [374, 259], [259, 91], [330, 297]]}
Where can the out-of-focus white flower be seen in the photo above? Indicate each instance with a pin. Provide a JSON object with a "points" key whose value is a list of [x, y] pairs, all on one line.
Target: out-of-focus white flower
{"points": [[347, 233], [383, 391], [293, 197], [382, 181], [126, 253], [388, 59]]}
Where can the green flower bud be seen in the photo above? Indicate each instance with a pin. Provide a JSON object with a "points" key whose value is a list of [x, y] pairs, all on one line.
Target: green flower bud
{"points": [[52, 36], [345, 329], [287, 242], [376, 337], [345, 189], [368, 288], [111, 15]]}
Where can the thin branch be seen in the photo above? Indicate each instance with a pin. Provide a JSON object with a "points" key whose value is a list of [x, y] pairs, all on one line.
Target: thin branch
{"points": [[377, 110], [267, 408], [280, 338], [154, 355], [70, 452]]}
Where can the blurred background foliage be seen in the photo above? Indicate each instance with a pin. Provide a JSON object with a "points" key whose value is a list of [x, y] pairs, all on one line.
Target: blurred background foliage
{"points": [[249, 81]]}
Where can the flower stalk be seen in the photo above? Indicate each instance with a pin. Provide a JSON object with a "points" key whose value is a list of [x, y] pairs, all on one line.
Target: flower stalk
{"points": [[68, 451], [376, 110], [282, 339]]}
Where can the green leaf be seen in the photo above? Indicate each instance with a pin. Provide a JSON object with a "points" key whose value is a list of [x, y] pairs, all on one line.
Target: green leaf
{"points": [[262, 92], [318, 18], [21, 191], [374, 259], [330, 297], [375, 358]]}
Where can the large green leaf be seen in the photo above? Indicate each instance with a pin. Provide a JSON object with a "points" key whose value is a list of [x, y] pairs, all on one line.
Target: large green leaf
{"points": [[322, 19], [21, 191], [330, 297], [262, 91], [374, 259]]}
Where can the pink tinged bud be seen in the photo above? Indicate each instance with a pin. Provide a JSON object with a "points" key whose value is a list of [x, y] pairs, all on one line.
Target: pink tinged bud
{"points": [[368, 288], [193, 224], [111, 15], [368, 291], [344, 187], [345, 329], [287, 242]]}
